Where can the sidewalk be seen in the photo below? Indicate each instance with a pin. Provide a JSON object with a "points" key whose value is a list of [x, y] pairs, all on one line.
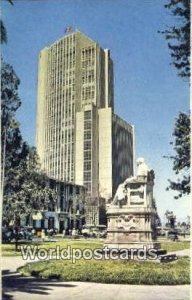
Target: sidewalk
{"points": [[185, 252]]}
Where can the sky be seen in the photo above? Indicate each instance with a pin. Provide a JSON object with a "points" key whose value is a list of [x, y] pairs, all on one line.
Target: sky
{"points": [[148, 92]]}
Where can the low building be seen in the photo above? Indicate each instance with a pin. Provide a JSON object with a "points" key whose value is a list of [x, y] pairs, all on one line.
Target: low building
{"points": [[67, 213]]}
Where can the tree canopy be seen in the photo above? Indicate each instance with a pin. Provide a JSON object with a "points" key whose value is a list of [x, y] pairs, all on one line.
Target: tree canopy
{"points": [[181, 159], [11, 139], [178, 36], [3, 28], [27, 188]]}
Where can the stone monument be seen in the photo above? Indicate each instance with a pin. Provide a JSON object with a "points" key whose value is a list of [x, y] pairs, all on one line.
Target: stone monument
{"points": [[132, 214]]}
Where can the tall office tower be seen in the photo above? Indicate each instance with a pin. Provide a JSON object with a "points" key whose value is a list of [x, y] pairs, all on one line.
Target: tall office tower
{"points": [[79, 138]]}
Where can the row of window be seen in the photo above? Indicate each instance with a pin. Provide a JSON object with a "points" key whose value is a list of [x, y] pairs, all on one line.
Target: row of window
{"points": [[88, 76], [87, 135], [87, 52], [87, 155], [56, 66], [68, 80], [87, 125], [87, 145], [87, 176], [87, 150], [87, 165], [88, 63], [87, 115], [88, 92]]}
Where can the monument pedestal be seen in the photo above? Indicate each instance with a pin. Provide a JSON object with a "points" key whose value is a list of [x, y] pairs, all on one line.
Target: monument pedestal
{"points": [[131, 228]]}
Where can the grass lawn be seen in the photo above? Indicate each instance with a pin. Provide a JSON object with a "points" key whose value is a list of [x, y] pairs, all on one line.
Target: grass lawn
{"points": [[9, 249], [171, 246], [107, 271], [112, 271]]}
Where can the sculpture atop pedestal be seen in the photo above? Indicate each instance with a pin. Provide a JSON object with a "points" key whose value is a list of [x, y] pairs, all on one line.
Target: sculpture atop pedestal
{"points": [[132, 214]]}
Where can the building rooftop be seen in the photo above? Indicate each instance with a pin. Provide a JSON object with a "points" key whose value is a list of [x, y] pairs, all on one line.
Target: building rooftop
{"points": [[67, 34]]}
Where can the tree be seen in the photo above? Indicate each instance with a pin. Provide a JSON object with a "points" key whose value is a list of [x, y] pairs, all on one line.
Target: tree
{"points": [[3, 33], [26, 188], [11, 139], [179, 44], [10, 100], [3, 29], [179, 36], [181, 160]]}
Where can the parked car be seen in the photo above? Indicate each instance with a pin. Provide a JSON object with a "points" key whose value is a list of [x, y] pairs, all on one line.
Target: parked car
{"points": [[9, 234], [52, 231], [25, 233], [94, 231]]}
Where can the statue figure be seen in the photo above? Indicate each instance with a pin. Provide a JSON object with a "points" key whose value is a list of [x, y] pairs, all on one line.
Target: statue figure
{"points": [[120, 194], [121, 190], [132, 212], [142, 168]]}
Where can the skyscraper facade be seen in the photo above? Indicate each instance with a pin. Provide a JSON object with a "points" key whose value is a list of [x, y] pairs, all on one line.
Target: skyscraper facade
{"points": [[79, 138]]}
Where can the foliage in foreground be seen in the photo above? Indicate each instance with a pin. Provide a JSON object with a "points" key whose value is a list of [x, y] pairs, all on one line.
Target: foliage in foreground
{"points": [[178, 36], [181, 159], [108, 271], [25, 188]]}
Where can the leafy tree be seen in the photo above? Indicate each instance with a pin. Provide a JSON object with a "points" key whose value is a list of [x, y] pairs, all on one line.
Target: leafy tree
{"points": [[24, 187], [3, 33], [3, 29], [179, 36], [11, 139], [181, 159], [9, 92], [27, 188]]}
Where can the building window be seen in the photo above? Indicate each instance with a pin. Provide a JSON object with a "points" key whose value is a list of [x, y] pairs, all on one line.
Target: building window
{"points": [[87, 125], [87, 115], [87, 165], [87, 145], [87, 135]]}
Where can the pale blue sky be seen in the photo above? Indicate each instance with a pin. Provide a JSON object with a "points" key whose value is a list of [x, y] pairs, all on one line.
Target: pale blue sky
{"points": [[148, 92]]}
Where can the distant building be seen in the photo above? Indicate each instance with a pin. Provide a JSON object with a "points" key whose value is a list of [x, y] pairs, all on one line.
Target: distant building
{"points": [[79, 138], [95, 212], [68, 211]]}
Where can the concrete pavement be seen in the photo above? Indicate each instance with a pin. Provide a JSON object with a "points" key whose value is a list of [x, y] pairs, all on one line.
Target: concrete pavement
{"points": [[17, 287]]}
